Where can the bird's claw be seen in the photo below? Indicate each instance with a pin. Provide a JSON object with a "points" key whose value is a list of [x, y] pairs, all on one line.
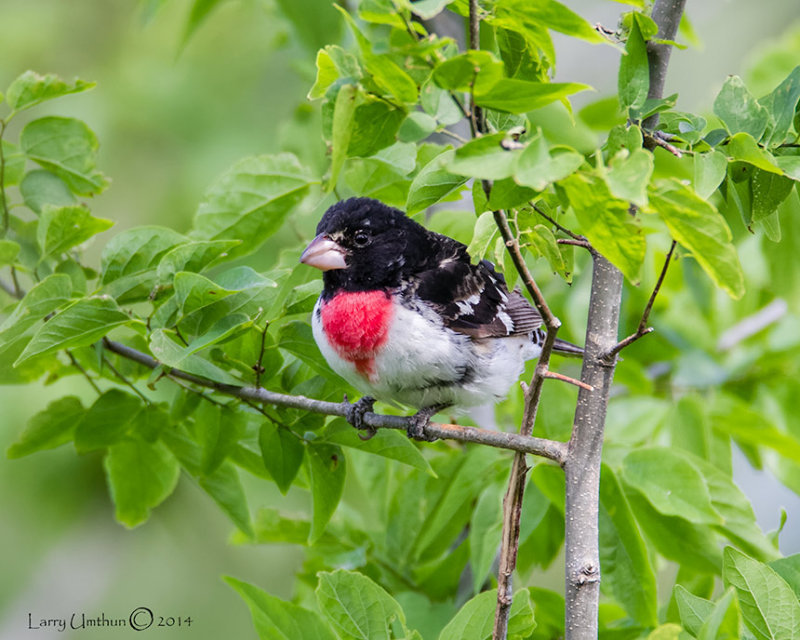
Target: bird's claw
{"points": [[354, 414], [418, 422]]}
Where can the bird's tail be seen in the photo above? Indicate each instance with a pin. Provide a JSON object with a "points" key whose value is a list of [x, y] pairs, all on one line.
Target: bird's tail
{"points": [[568, 349]]}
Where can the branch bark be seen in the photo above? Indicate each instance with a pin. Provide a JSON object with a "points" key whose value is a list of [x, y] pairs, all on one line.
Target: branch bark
{"points": [[550, 449], [582, 466], [667, 15]]}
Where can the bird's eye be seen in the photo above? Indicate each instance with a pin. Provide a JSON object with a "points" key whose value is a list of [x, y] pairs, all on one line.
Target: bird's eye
{"points": [[361, 238]]}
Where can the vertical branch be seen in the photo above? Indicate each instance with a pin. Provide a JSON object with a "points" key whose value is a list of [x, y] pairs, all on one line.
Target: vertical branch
{"points": [[667, 15], [582, 466]]}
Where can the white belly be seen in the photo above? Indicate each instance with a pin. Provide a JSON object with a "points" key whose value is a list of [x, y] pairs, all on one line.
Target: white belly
{"points": [[421, 364]]}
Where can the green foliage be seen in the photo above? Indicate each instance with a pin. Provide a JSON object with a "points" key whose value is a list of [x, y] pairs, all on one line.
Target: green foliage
{"points": [[411, 522]]}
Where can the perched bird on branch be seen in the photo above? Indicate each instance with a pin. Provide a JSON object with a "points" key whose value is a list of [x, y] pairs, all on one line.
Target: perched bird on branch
{"points": [[406, 317]]}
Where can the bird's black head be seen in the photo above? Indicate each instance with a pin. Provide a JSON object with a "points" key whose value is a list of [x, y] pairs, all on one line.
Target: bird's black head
{"points": [[362, 244]]}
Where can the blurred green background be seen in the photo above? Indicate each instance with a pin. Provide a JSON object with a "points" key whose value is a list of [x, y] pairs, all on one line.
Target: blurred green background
{"points": [[169, 120]]}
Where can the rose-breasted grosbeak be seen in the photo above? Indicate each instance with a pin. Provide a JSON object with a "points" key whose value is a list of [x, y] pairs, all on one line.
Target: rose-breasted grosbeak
{"points": [[405, 316]]}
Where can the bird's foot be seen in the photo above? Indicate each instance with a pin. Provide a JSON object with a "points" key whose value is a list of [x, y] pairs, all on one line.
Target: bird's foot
{"points": [[420, 420], [355, 415]]}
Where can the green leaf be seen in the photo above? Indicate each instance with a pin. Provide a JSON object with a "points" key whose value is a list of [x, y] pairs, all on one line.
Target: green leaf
{"points": [[709, 172], [512, 95], [627, 573], [739, 110], [694, 611], [768, 191], [278, 619], [707, 620], [31, 88], [44, 298], [451, 511], [375, 126], [326, 466], [433, 183], [193, 291], [789, 569], [314, 21], [482, 236], [736, 418], [630, 175], [781, 104], [427, 9], [343, 113], [699, 227], [549, 13], [61, 228], [250, 201], [327, 74], [200, 10], [296, 338], [386, 443], [283, 452], [487, 157], [634, 73], [607, 223], [536, 167], [106, 421], [66, 147], [79, 325], [468, 70], [174, 355], [193, 256], [672, 484], [474, 621], [217, 430], [40, 188], [14, 164], [49, 428], [225, 329], [225, 487], [769, 606], [417, 126], [141, 475], [543, 242], [136, 251], [8, 252], [743, 147], [356, 607], [484, 531], [676, 538]]}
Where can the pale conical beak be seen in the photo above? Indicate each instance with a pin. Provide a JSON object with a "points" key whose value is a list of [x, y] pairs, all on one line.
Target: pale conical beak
{"points": [[324, 254]]}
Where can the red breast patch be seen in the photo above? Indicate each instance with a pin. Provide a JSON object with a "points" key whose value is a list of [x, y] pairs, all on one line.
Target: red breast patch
{"points": [[357, 325]]}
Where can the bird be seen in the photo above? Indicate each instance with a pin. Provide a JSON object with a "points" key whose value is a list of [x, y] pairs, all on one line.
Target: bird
{"points": [[406, 317]]}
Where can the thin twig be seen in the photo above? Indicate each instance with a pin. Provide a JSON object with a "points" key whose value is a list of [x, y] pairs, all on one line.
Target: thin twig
{"points": [[125, 380], [445, 131], [575, 243], [659, 139], [85, 373], [643, 329], [558, 376], [550, 449], [558, 226]]}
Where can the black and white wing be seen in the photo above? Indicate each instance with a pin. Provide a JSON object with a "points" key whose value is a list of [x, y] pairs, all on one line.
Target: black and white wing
{"points": [[472, 298]]}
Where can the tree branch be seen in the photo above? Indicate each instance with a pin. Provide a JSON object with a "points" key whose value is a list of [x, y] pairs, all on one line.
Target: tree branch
{"points": [[582, 466], [667, 15], [550, 449], [643, 329]]}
